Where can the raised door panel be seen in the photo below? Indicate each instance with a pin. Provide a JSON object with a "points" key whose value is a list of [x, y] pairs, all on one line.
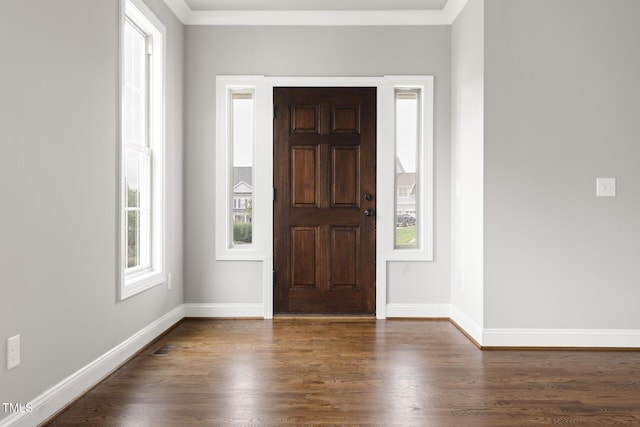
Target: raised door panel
{"points": [[304, 261], [345, 177], [304, 176], [344, 257], [305, 119], [345, 119]]}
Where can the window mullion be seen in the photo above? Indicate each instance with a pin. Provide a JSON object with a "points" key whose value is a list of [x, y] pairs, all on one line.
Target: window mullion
{"points": [[139, 149]]}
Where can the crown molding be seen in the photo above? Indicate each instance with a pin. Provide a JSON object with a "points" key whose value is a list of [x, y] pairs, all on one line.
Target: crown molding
{"points": [[452, 9], [181, 9], [188, 16]]}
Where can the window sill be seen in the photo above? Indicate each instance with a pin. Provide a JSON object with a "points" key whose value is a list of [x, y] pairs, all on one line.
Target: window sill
{"points": [[140, 282]]}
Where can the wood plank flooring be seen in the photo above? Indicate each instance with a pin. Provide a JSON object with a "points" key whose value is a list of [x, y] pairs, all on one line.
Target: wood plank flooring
{"points": [[295, 372]]}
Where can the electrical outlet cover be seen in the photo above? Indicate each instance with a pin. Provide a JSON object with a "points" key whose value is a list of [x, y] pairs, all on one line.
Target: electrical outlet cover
{"points": [[13, 352], [605, 187]]}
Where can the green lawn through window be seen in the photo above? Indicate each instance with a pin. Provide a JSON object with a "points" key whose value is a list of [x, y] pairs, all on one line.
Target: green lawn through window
{"points": [[406, 236]]}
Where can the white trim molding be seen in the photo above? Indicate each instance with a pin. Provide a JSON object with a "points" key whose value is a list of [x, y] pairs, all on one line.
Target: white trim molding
{"points": [[487, 338], [464, 322], [452, 9], [66, 391], [386, 206], [188, 16], [180, 8], [586, 338], [262, 248], [225, 310]]}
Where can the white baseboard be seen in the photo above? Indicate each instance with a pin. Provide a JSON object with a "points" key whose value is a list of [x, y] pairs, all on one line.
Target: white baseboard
{"points": [[469, 326], [224, 310], [418, 310], [595, 338], [69, 389], [579, 338]]}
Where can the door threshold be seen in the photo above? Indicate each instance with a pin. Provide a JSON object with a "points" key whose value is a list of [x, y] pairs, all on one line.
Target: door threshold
{"points": [[353, 317]]}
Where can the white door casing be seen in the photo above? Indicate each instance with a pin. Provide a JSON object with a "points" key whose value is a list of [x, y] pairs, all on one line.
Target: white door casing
{"points": [[262, 248]]}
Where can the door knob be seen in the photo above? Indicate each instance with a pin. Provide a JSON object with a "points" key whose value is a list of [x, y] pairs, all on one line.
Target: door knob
{"points": [[368, 212], [368, 197]]}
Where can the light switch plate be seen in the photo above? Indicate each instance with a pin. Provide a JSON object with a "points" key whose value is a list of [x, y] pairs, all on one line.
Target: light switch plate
{"points": [[606, 187], [13, 352]]}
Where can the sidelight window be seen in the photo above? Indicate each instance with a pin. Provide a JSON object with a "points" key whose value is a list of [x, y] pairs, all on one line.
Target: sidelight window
{"points": [[241, 136], [407, 168], [409, 194], [243, 172]]}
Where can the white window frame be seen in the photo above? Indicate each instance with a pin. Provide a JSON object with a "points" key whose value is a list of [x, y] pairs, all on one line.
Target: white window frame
{"points": [[231, 138], [425, 167], [132, 281], [259, 249], [262, 250]]}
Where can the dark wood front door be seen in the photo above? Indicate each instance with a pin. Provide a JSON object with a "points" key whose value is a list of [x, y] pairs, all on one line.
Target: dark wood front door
{"points": [[324, 208]]}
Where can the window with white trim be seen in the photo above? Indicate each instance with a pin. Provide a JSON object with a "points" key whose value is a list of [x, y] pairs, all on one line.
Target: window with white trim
{"points": [[407, 147], [241, 138], [411, 102], [243, 202], [141, 148]]}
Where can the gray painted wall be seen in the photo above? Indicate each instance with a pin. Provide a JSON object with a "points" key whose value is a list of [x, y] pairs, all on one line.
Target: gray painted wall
{"points": [[58, 183], [562, 108], [303, 51]]}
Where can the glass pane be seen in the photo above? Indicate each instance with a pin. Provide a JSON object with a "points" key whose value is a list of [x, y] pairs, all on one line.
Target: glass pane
{"points": [[137, 179], [134, 106], [407, 152], [242, 142], [132, 180], [138, 202], [133, 238]]}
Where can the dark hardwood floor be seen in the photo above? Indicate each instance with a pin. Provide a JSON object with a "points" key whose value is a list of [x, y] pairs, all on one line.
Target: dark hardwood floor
{"points": [[356, 372]]}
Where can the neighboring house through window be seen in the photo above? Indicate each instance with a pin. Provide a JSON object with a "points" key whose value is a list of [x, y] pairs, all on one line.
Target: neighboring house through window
{"points": [[242, 194]]}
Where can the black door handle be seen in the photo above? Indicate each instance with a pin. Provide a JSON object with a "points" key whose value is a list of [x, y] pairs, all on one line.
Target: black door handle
{"points": [[368, 212], [368, 197]]}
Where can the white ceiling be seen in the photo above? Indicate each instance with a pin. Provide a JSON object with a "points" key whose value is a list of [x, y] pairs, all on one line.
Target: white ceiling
{"points": [[316, 12], [316, 4]]}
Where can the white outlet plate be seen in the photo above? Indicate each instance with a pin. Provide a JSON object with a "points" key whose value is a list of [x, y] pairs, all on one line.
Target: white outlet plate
{"points": [[606, 187], [169, 281], [13, 352]]}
